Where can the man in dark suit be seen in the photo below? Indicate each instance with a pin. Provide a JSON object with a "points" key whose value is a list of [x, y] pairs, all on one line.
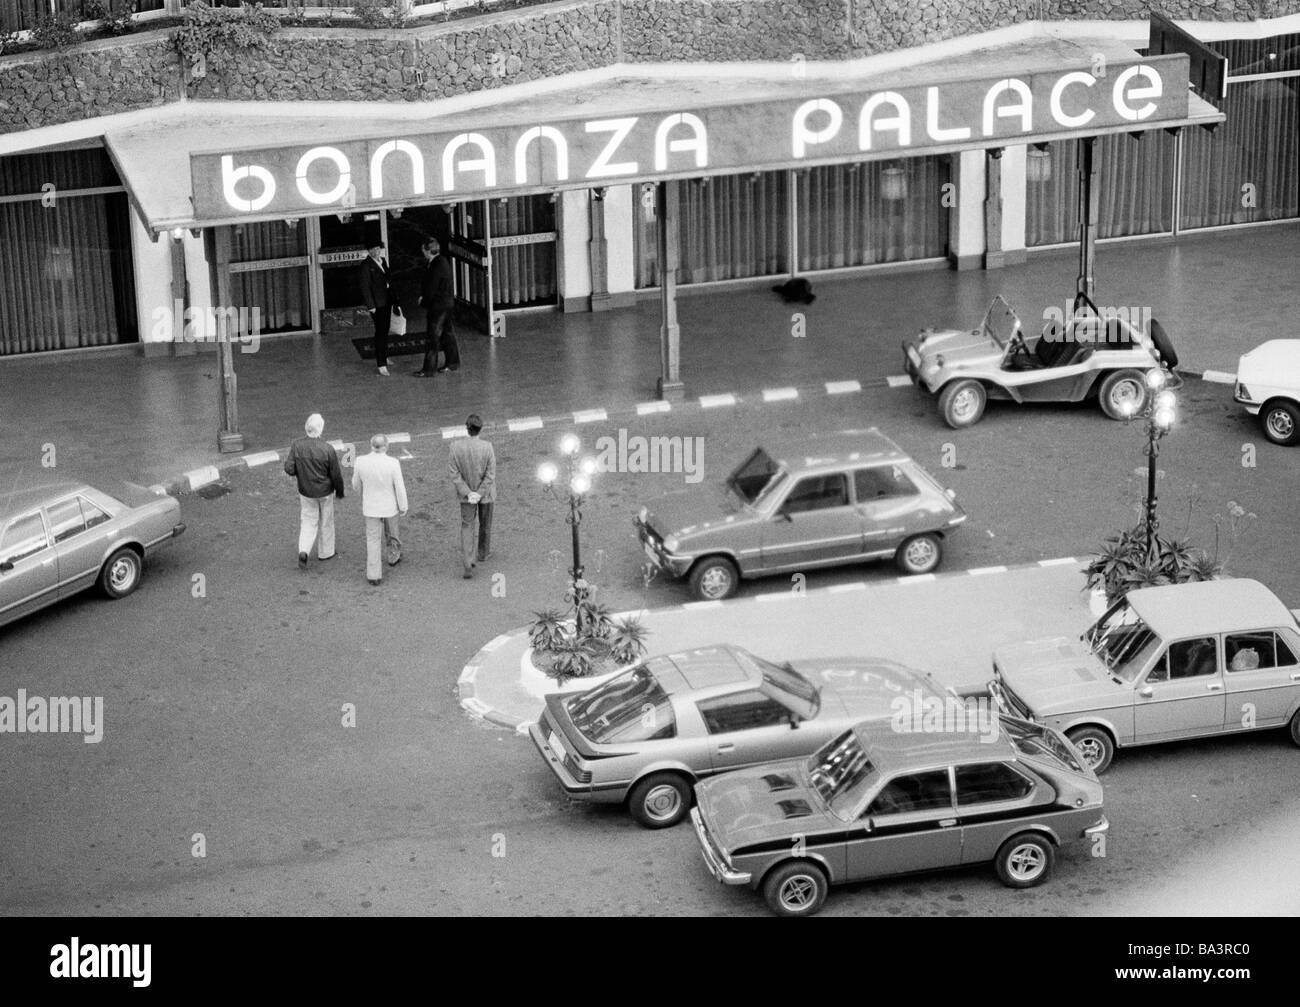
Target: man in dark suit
{"points": [[437, 295], [377, 295]]}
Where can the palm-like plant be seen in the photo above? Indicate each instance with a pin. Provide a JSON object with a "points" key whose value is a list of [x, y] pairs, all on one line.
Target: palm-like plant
{"points": [[628, 640]]}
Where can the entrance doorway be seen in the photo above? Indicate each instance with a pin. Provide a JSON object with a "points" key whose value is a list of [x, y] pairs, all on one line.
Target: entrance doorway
{"points": [[343, 240]]}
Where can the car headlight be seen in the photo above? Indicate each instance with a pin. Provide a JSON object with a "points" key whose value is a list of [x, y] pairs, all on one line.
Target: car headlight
{"points": [[642, 514], [1242, 391], [671, 543]]}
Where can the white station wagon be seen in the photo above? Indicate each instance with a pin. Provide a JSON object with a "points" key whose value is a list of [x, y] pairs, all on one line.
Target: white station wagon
{"points": [[1268, 385]]}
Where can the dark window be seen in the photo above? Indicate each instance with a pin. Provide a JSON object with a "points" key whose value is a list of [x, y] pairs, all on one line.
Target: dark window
{"points": [[1186, 659], [991, 781], [93, 515], [881, 482], [629, 707], [66, 519], [818, 493], [1254, 651], [24, 537], [916, 792], [742, 711]]}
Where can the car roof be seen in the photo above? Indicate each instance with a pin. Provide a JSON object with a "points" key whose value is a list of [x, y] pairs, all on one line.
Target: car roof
{"points": [[894, 751], [1208, 607], [697, 669], [844, 447], [33, 493]]}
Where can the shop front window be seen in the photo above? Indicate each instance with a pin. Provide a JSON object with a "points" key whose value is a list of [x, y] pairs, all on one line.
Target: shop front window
{"points": [[270, 273]]}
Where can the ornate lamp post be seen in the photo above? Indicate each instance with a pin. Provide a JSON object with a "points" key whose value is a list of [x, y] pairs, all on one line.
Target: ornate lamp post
{"points": [[1159, 414], [577, 475]]}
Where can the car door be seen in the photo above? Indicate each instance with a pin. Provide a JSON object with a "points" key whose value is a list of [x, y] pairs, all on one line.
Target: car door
{"points": [[814, 524], [992, 799], [1261, 678], [29, 570], [80, 549], [886, 498], [910, 825], [1182, 695], [749, 727]]}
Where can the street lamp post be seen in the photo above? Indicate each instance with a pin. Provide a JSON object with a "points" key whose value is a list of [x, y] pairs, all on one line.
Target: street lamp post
{"points": [[578, 475], [1160, 419]]}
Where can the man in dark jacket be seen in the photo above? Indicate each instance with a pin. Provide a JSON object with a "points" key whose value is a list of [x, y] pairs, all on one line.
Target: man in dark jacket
{"points": [[437, 295], [378, 298], [320, 480]]}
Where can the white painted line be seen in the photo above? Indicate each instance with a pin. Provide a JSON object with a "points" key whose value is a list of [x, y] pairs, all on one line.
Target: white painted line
{"points": [[980, 571], [840, 387], [493, 644], [468, 674], [261, 458], [202, 477], [1222, 377], [645, 408], [919, 578], [846, 588], [590, 416], [451, 433], [899, 381], [476, 706], [1063, 561], [713, 401], [779, 595], [526, 423], [779, 394], [398, 438], [693, 605]]}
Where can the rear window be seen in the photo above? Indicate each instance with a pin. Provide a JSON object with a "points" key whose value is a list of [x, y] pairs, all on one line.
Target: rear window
{"points": [[1039, 743], [628, 708], [990, 782]]}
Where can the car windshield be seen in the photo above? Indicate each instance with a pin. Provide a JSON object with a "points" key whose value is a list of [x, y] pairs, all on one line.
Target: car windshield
{"points": [[1039, 742], [1001, 323], [754, 476], [629, 707], [1122, 641], [840, 772], [783, 684]]}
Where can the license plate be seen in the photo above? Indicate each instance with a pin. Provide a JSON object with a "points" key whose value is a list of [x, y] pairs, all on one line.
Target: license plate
{"points": [[556, 746]]}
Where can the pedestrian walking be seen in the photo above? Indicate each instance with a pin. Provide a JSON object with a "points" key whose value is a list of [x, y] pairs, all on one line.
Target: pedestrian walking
{"points": [[320, 480], [383, 501], [378, 296], [437, 295], [474, 473]]}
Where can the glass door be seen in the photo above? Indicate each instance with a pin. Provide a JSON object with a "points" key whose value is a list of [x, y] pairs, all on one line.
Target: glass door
{"points": [[468, 245], [342, 240]]}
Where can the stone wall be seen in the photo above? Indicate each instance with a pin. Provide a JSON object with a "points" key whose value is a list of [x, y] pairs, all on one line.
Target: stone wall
{"points": [[435, 61]]}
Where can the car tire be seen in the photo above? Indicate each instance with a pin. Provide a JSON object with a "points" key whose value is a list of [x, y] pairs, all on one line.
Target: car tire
{"points": [[714, 578], [961, 403], [1163, 344], [1295, 728], [1095, 746], [919, 554], [660, 801], [1025, 860], [795, 888], [121, 573], [1123, 388], [1281, 422]]}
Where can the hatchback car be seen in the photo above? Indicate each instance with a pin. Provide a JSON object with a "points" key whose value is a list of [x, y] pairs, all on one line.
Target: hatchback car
{"points": [[646, 735], [1268, 385], [60, 538], [1164, 663], [1089, 355], [818, 502], [875, 802]]}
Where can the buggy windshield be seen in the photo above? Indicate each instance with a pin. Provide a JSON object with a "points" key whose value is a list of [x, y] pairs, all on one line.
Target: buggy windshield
{"points": [[1001, 323]]}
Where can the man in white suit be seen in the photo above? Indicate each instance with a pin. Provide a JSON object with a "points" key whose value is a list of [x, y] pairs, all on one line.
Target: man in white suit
{"points": [[383, 501]]}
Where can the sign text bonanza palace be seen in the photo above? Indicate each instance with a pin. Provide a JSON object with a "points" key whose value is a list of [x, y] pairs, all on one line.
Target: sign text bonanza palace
{"points": [[451, 166]]}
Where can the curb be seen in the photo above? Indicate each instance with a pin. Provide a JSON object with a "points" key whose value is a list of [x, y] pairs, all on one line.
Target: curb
{"points": [[479, 710]]}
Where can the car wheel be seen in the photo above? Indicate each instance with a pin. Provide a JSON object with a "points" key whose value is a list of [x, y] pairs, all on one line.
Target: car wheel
{"points": [[1123, 394], [660, 801], [961, 403], [1295, 728], [1095, 746], [1281, 422], [1025, 860], [714, 578], [919, 554], [795, 888], [121, 574]]}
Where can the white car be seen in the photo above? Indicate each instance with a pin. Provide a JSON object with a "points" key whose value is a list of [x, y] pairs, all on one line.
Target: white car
{"points": [[1268, 385]]}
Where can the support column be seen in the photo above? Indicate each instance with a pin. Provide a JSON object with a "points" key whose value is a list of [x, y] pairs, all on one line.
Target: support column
{"points": [[598, 252], [994, 257], [180, 290], [1087, 216], [217, 245], [670, 337]]}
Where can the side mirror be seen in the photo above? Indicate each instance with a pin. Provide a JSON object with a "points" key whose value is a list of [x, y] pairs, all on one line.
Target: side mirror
{"points": [[871, 825], [1146, 692], [6, 566], [794, 722], [784, 515]]}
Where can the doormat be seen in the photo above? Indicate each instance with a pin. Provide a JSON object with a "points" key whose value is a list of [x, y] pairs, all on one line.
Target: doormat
{"points": [[399, 346]]}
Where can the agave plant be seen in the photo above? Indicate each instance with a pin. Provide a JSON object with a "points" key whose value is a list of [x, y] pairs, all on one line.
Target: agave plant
{"points": [[1126, 563], [571, 660], [627, 641], [547, 632]]}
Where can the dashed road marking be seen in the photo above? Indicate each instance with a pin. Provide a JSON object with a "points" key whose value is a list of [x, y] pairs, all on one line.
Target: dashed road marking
{"points": [[398, 438], [1220, 377], [646, 408], [262, 458], [1061, 561], [841, 387], [780, 394], [451, 433], [694, 605], [198, 478], [898, 381], [845, 588], [524, 423], [713, 401], [590, 416], [920, 578], [980, 571]]}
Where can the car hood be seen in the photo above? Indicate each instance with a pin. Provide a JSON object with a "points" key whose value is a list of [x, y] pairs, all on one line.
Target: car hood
{"points": [[1057, 676], [769, 802], [688, 512], [957, 346], [865, 688], [1276, 362]]}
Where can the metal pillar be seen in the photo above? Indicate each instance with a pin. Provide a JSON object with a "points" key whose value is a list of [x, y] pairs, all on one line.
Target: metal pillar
{"points": [[670, 337], [1087, 216], [994, 256], [597, 251], [217, 246], [181, 347]]}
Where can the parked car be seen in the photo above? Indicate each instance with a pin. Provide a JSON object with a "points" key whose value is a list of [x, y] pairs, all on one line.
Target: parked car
{"points": [[646, 735], [1089, 355], [1268, 385], [62, 537], [817, 502], [875, 802], [1164, 663]]}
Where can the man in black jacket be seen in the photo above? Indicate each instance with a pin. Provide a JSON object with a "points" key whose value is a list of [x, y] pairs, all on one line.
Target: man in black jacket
{"points": [[377, 295], [320, 480], [437, 295]]}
